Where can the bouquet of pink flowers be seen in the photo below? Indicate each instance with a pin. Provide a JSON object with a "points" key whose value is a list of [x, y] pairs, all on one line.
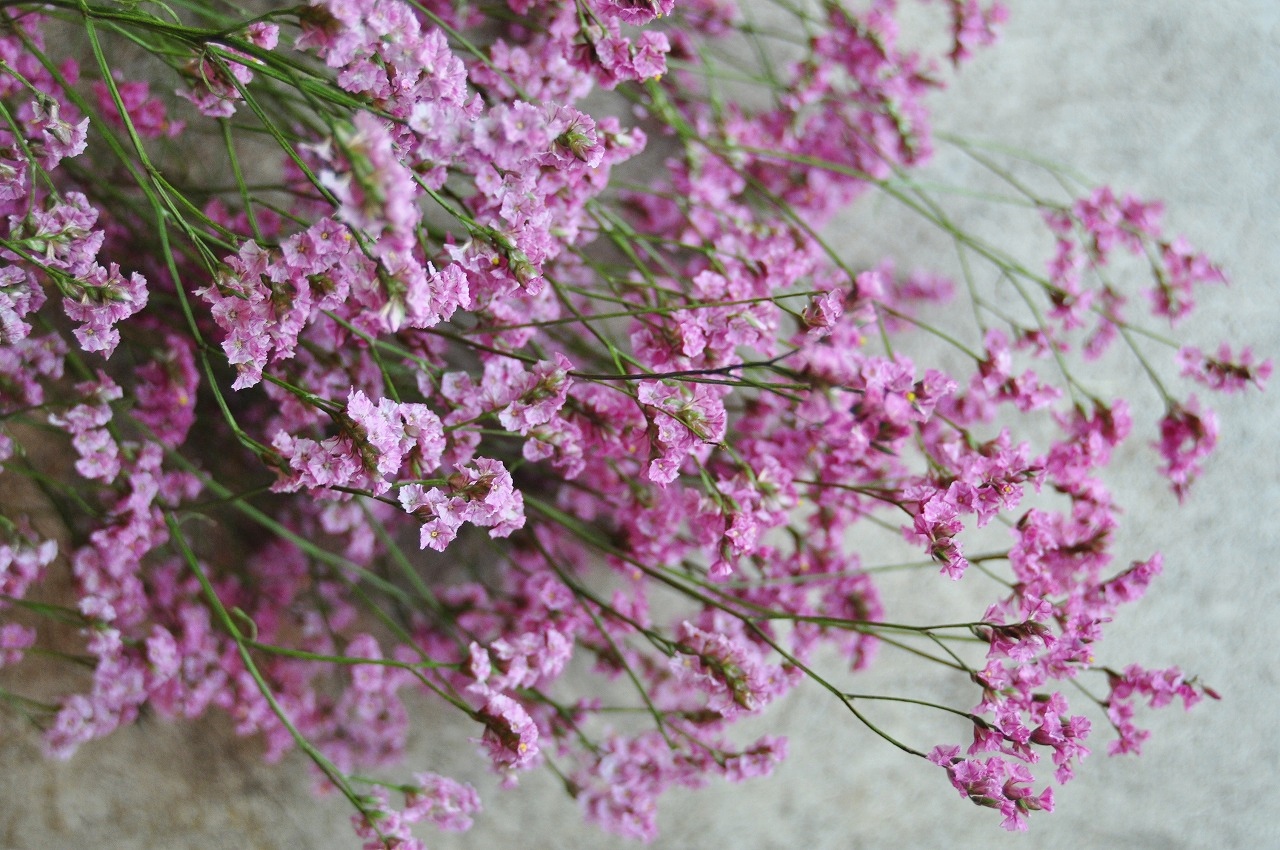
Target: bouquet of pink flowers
{"points": [[503, 353]]}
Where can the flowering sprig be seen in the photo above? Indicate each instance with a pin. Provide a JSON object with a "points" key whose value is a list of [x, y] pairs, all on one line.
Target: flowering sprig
{"points": [[441, 294]]}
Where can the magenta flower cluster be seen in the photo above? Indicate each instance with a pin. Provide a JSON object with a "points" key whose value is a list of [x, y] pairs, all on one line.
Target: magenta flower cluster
{"points": [[420, 292]]}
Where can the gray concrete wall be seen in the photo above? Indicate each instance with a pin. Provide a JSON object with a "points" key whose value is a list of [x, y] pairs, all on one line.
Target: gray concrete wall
{"points": [[1172, 98]]}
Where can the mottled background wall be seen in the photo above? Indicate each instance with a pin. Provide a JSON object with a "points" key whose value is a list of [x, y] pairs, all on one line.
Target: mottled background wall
{"points": [[1176, 98]]}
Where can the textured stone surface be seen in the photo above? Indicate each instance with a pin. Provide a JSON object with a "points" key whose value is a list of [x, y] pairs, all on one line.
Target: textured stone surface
{"points": [[1178, 99]]}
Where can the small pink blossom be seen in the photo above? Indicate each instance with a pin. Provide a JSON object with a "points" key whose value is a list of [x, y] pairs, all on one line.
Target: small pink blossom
{"points": [[444, 802], [15, 640], [510, 735], [539, 396], [1224, 371], [994, 783], [1188, 434]]}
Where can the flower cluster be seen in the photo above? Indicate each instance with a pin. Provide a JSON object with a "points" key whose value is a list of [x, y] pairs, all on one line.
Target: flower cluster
{"points": [[447, 293]]}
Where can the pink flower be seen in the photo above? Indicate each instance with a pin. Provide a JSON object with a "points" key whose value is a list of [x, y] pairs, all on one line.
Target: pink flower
{"points": [[382, 827], [215, 84], [15, 639], [510, 735], [1187, 435], [147, 113], [441, 521], [539, 396], [732, 674], [59, 138], [937, 522], [522, 661], [1183, 268], [1224, 372], [444, 802], [974, 26], [823, 312], [685, 418], [23, 559], [994, 783]]}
